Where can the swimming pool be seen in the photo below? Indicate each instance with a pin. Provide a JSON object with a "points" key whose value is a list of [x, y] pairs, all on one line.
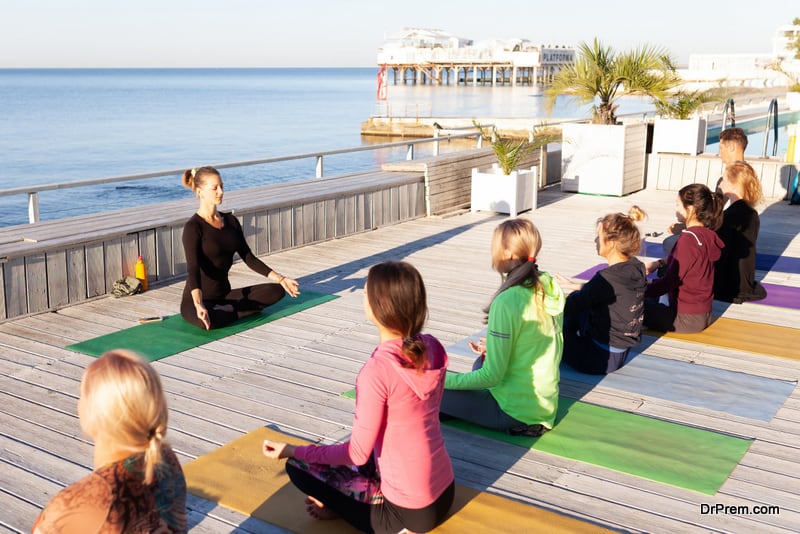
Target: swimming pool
{"points": [[754, 128]]}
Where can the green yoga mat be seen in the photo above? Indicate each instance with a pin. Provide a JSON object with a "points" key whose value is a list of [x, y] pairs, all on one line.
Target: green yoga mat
{"points": [[670, 453], [164, 338]]}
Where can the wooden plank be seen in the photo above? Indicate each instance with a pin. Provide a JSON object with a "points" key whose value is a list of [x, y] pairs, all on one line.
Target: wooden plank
{"points": [[36, 282], [15, 287], [57, 279], [95, 270], [76, 274], [290, 372], [164, 254]]}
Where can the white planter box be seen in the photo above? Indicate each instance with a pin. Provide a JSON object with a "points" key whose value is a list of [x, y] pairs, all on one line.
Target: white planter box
{"points": [[793, 100], [603, 159], [680, 136], [494, 191]]}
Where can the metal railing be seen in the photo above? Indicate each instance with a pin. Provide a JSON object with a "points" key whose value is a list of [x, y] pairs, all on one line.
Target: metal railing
{"points": [[32, 191], [772, 120], [729, 112]]}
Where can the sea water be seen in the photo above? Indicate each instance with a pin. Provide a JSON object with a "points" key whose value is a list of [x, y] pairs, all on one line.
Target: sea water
{"points": [[63, 125]]}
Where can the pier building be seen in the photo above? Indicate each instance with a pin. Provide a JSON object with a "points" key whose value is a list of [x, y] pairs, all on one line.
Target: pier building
{"points": [[430, 56]]}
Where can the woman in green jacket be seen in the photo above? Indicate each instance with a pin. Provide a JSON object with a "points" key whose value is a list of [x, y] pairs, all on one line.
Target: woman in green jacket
{"points": [[513, 386]]}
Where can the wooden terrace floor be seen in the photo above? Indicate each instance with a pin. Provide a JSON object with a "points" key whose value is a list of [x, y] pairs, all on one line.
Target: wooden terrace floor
{"points": [[290, 373]]}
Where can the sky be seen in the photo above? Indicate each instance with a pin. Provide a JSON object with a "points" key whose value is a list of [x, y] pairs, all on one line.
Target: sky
{"points": [[348, 33]]}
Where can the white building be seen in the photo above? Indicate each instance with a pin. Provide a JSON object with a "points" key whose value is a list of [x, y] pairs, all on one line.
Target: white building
{"points": [[425, 55], [751, 70]]}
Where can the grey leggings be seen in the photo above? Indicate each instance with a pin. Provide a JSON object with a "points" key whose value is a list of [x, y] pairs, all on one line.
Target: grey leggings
{"points": [[477, 406]]}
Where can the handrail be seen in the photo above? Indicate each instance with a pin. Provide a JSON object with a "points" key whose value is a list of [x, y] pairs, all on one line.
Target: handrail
{"points": [[772, 118], [32, 191], [729, 111]]}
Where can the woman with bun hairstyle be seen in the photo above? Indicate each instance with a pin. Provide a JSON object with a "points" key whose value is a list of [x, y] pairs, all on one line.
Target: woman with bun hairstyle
{"points": [[603, 317], [735, 272], [137, 485], [395, 426], [688, 278], [210, 239]]}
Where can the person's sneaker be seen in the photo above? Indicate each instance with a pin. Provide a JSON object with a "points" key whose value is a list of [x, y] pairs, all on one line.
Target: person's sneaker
{"points": [[533, 431]]}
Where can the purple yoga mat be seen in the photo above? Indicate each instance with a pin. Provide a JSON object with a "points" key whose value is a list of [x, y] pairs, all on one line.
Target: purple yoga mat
{"points": [[780, 296], [764, 262], [777, 295]]}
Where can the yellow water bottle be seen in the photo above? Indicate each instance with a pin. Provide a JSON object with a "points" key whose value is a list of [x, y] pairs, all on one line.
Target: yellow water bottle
{"points": [[141, 273]]}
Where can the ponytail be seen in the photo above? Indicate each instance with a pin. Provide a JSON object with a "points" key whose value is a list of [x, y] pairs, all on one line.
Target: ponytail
{"points": [[707, 204], [196, 177], [396, 295], [622, 229], [521, 238], [152, 454], [124, 399]]}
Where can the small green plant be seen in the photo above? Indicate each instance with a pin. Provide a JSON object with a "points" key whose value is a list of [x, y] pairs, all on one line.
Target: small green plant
{"points": [[510, 151], [682, 104]]}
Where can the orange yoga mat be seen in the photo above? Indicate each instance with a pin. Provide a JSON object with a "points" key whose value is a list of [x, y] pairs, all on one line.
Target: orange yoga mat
{"points": [[747, 336], [239, 477]]}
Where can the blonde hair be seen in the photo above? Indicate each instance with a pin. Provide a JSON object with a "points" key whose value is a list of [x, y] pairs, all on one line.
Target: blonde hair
{"points": [[194, 178], [622, 229], [522, 239], [744, 177], [123, 397]]}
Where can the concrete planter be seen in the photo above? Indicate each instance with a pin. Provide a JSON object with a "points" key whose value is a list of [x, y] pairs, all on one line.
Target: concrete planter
{"points": [[680, 136], [603, 159], [793, 100], [504, 193]]}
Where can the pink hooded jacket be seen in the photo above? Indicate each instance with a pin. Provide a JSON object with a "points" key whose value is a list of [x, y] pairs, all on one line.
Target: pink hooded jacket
{"points": [[397, 416]]}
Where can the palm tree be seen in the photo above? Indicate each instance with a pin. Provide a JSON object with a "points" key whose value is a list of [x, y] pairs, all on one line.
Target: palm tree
{"points": [[601, 73], [683, 104]]}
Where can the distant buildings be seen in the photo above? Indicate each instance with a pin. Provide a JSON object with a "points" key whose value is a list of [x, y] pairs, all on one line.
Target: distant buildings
{"points": [[751, 70], [418, 55]]}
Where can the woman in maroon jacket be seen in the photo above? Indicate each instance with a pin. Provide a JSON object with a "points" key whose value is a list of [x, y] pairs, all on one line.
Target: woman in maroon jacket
{"points": [[688, 278]]}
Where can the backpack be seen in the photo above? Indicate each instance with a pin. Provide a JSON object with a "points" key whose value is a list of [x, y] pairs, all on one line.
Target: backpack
{"points": [[126, 286], [794, 188]]}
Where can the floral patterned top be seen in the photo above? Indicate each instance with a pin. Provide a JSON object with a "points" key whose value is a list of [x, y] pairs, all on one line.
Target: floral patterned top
{"points": [[114, 499]]}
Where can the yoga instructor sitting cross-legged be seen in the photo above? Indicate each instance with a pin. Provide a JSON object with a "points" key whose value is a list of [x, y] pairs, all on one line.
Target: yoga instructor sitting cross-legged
{"points": [[210, 239]]}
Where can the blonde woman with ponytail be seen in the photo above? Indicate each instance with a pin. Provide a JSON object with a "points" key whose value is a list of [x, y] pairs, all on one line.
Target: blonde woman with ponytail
{"points": [[137, 485], [513, 386], [603, 317], [396, 425]]}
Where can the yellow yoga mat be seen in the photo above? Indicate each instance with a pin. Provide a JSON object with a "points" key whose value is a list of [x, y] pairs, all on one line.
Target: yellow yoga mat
{"points": [[239, 477], [747, 336]]}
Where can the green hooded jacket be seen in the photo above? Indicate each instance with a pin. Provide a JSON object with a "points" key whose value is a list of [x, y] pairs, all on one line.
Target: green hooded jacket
{"points": [[523, 351]]}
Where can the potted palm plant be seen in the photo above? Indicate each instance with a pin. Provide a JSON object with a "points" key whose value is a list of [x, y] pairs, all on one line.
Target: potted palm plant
{"points": [[605, 157], [505, 188], [679, 128]]}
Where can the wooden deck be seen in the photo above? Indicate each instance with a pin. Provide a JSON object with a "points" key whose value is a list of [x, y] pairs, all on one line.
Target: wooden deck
{"points": [[290, 373]]}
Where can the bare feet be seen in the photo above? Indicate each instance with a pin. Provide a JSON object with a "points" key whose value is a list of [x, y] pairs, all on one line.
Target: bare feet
{"points": [[317, 510], [224, 307]]}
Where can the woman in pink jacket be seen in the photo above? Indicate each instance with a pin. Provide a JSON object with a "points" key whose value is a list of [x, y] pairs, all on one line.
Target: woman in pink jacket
{"points": [[398, 392]]}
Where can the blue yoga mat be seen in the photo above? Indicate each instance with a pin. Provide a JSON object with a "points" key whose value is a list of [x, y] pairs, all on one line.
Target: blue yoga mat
{"points": [[740, 394]]}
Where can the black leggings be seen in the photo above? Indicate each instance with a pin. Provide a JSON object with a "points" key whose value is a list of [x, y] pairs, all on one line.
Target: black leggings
{"points": [[378, 518], [245, 301], [582, 353]]}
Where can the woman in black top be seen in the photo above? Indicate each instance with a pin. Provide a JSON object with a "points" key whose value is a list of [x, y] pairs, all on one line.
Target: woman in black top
{"points": [[735, 271], [603, 317], [210, 238]]}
